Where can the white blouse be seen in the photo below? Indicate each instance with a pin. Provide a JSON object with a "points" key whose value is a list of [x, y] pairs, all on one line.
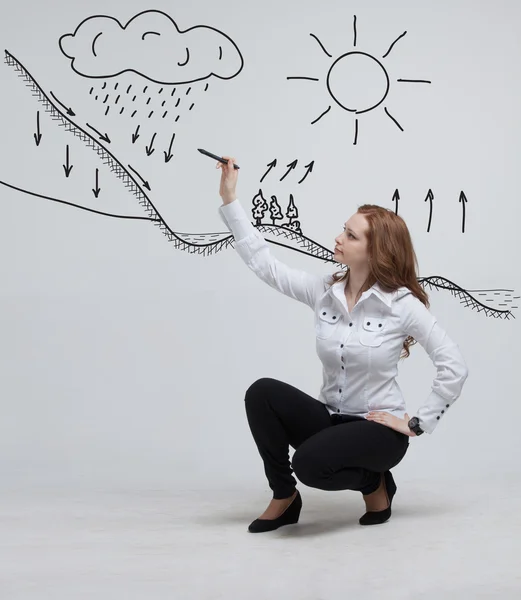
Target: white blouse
{"points": [[359, 350]]}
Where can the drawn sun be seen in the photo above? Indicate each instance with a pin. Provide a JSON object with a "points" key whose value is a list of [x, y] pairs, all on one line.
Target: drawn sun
{"points": [[358, 82]]}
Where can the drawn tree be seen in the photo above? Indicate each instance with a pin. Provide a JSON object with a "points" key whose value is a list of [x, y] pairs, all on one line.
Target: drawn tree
{"points": [[260, 206], [275, 211], [292, 212], [295, 225]]}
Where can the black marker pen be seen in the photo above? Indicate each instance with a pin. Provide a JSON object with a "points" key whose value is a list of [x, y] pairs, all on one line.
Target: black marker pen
{"points": [[219, 158]]}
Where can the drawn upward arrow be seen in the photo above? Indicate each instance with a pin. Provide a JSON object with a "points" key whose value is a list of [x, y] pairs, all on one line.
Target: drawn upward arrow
{"points": [[149, 149], [463, 200], [97, 190], [169, 155], [430, 197], [67, 168], [145, 183], [309, 170], [291, 166], [396, 198], [105, 137], [135, 135], [69, 110], [38, 135], [271, 165]]}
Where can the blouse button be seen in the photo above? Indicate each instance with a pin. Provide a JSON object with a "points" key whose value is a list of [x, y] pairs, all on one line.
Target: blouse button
{"points": [[334, 317], [323, 313], [369, 322], [341, 345], [341, 392], [438, 418], [350, 324], [342, 368], [447, 406], [379, 324]]}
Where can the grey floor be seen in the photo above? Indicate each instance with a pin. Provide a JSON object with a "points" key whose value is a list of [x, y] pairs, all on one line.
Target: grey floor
{"points": [[58, 543]]}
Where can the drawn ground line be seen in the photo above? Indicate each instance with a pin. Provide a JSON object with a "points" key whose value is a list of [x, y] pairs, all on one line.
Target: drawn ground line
{"points": [[121, 173], [456, 290], [116, 167], [93, 210]]}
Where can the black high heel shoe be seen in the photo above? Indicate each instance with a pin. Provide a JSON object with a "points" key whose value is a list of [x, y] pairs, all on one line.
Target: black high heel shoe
{"points": [[375, 517], [288, 517]]}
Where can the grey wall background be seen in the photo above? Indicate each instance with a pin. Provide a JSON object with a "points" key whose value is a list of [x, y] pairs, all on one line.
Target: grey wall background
{"points": [[124, 361]]}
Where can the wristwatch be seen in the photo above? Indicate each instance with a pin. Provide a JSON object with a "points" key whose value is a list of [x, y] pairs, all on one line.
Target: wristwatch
{"points": [[414, 425]]}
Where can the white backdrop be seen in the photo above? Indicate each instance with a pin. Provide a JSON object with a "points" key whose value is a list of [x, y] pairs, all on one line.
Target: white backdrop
{"points": [[125, 359]]}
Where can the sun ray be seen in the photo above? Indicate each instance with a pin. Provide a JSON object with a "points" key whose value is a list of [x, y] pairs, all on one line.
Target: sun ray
{"points": [[392, 118], [308, 78], [324, 113], [391, 46], [321, 45], [356, 132], [414, 81], [354, 30]]}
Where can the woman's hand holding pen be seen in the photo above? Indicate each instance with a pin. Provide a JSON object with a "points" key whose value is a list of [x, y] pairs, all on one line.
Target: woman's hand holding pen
{"points": [[229, 177]]}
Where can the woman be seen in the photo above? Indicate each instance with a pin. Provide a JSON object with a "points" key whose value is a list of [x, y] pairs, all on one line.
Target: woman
{"points": [[357, 429]]}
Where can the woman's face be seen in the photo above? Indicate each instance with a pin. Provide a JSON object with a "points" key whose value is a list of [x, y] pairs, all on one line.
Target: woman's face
{"points": [[351, 244]]}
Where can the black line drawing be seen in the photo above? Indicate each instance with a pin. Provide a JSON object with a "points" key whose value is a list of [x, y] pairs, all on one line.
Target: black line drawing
{"points": [[149, 149], [358, 82], [68, 167], [143, 181], [169, 155], [38, 135], [396, 200], [210, 243], [79, 47], [291, 167], [392, 45], [92, 210], [430, 198], [260, 207], [101, 47], [463, 201], [103, 137], [270, 166], [97, 189], [69, 110], [309, 168]]}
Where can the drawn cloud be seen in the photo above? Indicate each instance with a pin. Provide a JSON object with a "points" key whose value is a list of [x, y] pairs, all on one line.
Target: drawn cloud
{"points": [[151, 45]]}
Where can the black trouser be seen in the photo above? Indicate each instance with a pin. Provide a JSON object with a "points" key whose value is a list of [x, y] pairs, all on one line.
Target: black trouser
{"points": [[332, 452]]}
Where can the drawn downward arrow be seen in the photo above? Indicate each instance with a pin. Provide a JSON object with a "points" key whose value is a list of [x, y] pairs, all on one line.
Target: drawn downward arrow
{"points": [[37, 135], [97, 190], [69, 111], [149, 149], [67, 168], [145, 183], [105, 137], [135, 135], [169, 155]]}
